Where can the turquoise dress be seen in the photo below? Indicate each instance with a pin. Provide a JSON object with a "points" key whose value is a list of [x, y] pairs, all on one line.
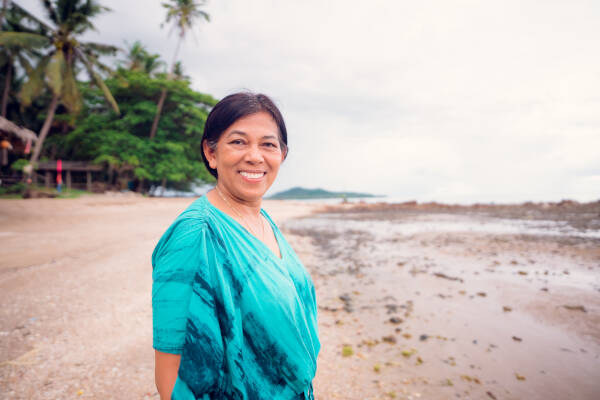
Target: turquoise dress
{"points": [[243, 320]]}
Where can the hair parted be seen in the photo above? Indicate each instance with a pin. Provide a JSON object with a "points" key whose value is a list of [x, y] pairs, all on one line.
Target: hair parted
{"points": [[236, 106]]}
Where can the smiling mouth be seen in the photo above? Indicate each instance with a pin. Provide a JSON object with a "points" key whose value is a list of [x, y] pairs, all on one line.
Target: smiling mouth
{"points": [[252, 175]]}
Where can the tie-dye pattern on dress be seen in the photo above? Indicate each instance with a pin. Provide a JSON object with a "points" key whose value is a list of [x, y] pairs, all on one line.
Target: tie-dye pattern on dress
{"points": [[243, 319]]}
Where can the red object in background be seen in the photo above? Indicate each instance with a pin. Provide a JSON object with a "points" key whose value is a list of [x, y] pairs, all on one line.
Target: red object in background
{"points": [[59, 171], [28, 146]]}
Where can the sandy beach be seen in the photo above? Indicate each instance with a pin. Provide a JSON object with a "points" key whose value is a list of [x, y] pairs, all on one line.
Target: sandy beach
{"points": [[414, 302]]}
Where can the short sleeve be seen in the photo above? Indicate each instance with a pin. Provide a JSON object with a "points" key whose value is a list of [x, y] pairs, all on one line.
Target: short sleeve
{"points": [[175, 263]]}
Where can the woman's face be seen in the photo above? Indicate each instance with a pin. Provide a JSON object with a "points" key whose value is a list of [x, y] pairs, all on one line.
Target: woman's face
{"points": [[247, 156]]}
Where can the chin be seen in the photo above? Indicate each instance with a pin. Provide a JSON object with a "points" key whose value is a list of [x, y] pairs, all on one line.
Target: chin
{"points": [[252, 195]]}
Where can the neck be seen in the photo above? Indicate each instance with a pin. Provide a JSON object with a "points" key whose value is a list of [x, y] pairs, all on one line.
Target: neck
{"points": [[249, 208]]}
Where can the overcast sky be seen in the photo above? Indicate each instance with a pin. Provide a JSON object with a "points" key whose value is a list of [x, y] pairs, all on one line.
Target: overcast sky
{"points": [[454, 101]]}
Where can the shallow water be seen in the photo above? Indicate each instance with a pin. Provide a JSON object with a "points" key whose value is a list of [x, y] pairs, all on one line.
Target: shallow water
{"points": [[449, 223], [449, 277]]}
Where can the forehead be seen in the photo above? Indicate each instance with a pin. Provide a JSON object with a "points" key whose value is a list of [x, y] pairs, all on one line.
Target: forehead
{"points": [[257, 124]]}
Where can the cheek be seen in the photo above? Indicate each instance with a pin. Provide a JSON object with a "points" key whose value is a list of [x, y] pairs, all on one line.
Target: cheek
{"points": [[229, 157], [275, 160]]}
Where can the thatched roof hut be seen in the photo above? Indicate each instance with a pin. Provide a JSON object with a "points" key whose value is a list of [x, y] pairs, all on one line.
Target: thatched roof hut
{"points": [[23, 134]]}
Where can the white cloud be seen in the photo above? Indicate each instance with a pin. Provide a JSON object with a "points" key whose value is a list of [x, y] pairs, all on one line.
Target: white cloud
{"points": [[452, 101]]}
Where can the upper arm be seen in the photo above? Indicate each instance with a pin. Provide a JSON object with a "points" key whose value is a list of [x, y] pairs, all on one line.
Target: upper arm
{"points": [[175, 263], [184, 311]]}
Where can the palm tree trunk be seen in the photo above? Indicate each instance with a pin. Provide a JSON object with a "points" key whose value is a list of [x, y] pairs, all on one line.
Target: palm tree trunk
{"points": [[159, 107], [163, 94], [45, 129], [7, 82], [140, 187], [163, 186], [181, 35]]}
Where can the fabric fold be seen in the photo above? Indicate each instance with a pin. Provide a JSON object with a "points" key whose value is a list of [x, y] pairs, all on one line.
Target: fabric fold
{"points": [[250, 317]]}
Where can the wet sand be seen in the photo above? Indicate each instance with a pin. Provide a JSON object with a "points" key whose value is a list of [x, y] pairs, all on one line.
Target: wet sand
{"points": [[428, 308], [439, 302]]}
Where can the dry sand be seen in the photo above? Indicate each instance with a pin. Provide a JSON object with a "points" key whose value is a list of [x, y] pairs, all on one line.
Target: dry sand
{"points": [[75, 290], [75, 322]]}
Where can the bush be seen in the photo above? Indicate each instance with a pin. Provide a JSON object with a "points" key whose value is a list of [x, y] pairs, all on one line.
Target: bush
{"points": [[19, 164], [16, 189]]}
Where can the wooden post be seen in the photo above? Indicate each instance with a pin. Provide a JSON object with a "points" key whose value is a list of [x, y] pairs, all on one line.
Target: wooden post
{"points": [[88, 178], [48, 179], [69, 179]]}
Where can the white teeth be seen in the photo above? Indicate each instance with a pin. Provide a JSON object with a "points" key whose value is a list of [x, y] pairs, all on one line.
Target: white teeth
{"points": [[252, 175]]}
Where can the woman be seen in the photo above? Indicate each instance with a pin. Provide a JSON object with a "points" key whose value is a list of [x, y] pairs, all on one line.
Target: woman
{"points": [[234, 310]]}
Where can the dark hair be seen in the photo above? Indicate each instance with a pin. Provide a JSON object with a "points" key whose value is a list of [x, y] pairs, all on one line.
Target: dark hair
{"points": [[234, 107]]}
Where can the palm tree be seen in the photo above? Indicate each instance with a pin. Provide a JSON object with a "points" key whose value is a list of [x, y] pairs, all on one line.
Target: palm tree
{"points": [[66, 53], [137, 58], [16, 19], [182, 13], [179, 73]]}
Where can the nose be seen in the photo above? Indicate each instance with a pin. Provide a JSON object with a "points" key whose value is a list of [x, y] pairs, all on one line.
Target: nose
{"points": [[254, 155]]}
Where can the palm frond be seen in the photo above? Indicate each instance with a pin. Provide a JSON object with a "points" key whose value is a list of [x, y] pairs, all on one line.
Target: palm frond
{"points": [[34, 85], [51, 12], [98, 81], [65, 9], [183, 13], [92, 58], [23, 13], [25, 63], [152, 63], [99, 48], [105, 69], [26, 40], [55, 71], [70, 96], [78, 16]]}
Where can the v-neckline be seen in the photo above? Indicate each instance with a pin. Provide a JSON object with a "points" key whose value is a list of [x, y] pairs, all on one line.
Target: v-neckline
{"points": [[232, 220]]}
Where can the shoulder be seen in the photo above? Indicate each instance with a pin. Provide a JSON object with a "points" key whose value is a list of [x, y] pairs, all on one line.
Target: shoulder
{"points": [[191, 228]]}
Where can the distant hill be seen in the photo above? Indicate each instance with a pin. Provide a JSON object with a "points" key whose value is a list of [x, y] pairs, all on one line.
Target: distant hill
{"points": [[302, 193]]}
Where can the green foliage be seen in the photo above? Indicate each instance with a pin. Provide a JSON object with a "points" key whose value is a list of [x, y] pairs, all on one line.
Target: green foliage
{"points": [[15, 190], [121, 141], [58, 61], [18, 191], [34, 86], [69, 193], [138, 58], [19, 164], [21, 37], [63, 52], [45, 60]]}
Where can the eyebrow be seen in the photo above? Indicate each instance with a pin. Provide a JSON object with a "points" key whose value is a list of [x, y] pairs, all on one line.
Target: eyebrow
{"points": [[242, 133]]}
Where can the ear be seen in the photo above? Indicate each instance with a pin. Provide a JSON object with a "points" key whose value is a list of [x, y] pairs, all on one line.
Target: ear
{"points": [[284, 153], [209, 154]]}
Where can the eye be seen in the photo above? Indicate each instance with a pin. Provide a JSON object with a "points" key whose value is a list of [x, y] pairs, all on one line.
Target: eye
{"points": [[236, 141], [270, 144]]}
